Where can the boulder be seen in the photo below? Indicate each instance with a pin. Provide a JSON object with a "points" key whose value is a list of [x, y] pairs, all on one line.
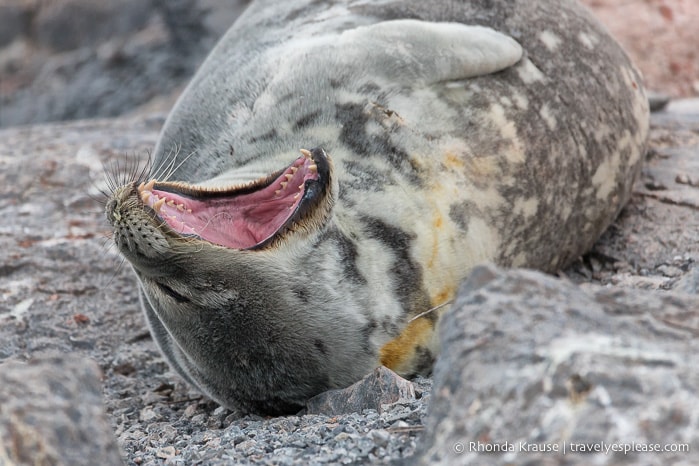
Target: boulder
{"points": [[537, 370], [51, 413], [381, 387]]}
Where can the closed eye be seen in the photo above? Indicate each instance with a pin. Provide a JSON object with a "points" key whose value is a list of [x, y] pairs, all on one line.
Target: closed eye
{"points": [[172, 293]]}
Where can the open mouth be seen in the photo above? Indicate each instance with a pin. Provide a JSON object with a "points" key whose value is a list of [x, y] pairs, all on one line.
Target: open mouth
{"points": [[243, 217]]}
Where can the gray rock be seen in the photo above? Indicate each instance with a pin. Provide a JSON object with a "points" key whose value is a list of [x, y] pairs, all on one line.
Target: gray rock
{"points": [[688, 106], [71, 24], [530, 362], [658, 101], [51, 412], [14, 20], [381, 387], [689, 283], [77, 59]]}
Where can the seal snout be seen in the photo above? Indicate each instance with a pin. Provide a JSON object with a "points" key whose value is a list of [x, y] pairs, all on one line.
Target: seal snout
{"points": [[248, 216]]}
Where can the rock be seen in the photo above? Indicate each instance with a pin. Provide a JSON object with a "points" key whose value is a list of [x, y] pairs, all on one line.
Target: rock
{"points": [[686, 106], [381, 387], [689, 283], [51, 412], [658, 101], [660, 38], [533, 366], [77, 59], [71, 24], [14, 20]]}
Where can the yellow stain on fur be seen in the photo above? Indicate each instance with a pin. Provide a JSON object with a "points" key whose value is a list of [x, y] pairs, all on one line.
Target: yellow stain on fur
{"points": [[453, 162], [443, 296], [438, 224], [399, 353]]}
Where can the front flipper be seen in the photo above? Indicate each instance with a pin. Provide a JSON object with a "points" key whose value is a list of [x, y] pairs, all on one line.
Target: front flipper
{"points": [[413, 51]]}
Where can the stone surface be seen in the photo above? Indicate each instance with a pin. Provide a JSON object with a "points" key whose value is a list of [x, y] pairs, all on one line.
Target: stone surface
{"points": [[660, 36], [533, 363], [51, 413], [70, 59], [381, 387]]}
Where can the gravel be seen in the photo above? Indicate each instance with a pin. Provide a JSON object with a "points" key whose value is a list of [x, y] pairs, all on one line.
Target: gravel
{"points": [[201, 432]]}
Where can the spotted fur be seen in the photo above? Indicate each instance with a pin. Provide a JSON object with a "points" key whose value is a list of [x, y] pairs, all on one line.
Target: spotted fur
{"points": [[452, 145]]}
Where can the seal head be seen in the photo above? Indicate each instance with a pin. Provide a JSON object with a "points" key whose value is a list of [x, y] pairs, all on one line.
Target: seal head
{"points": [[199, 254]]}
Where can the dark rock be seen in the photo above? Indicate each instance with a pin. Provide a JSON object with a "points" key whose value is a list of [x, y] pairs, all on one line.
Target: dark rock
{"points": [[71, 24], [78, 59], [381, 387], [51, 412], [532, 359], [14, 20], [658, 101]]}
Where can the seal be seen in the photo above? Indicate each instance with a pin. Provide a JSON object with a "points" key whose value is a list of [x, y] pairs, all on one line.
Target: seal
{"points": [[434, 136]]}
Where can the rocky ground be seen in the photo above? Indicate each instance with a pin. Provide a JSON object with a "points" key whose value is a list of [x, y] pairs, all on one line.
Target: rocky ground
{"points": [[660, 37], [64, 289], [70, 59]]}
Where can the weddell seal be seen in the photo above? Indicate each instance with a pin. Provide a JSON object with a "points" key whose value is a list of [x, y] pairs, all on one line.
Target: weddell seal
{"points": [[335, 169]]}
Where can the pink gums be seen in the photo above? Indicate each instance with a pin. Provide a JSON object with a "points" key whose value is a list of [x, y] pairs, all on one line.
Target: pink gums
{"points": [[238, 221]]}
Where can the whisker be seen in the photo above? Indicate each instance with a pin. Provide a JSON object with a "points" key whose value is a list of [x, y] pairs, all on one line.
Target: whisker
{"points": [[180, 164], [423, 314], [166, 164]]}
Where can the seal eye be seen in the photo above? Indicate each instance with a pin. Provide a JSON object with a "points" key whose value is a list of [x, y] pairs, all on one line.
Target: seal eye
{"points": [[250, 216], [172, 293]]}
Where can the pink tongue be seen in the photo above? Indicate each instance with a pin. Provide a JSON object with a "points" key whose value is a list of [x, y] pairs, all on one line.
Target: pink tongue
{"points": [[239, 225], [238, 221]]}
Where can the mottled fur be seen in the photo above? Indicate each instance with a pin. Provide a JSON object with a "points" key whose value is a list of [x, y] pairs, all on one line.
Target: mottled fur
{"points": [[451, 146]]}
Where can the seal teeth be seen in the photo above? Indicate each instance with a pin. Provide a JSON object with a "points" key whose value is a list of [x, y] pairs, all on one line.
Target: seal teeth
{"points": [[140, 186], [180, 207], [306, 153], [149, 186], [289, 176], [145, 196], [158, 204], [171, 203], [297, 195], [313, 168], [277, 192], [294, 169], [284, 183]]}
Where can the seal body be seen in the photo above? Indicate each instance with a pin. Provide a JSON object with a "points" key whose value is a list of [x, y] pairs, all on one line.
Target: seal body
{"points": [[441, 135]]}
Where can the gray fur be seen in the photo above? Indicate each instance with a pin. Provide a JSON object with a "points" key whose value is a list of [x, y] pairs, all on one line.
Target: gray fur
{"points": [[452, 146]]}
